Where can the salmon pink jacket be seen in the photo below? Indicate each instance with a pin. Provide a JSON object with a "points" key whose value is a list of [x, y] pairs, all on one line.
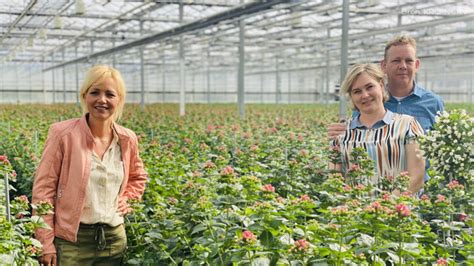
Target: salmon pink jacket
{"points": [[63, 174]]}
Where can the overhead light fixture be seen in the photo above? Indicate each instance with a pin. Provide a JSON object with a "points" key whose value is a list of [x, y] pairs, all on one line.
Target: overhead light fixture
{"points": [[58, 24], [295, 19], [31, 41], [42, 34], [21, 47], [80, 7]]}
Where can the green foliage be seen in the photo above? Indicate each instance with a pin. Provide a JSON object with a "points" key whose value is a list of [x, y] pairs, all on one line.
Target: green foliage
{"points": [[230, 191], [450, 146], [17, 245]]}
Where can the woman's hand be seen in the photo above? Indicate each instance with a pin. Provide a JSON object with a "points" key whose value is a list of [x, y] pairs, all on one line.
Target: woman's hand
{"points": [[123, 207], [48, 260]]}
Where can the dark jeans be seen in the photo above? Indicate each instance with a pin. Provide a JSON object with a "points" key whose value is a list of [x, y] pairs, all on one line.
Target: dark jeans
{"points": [[97, 244]]}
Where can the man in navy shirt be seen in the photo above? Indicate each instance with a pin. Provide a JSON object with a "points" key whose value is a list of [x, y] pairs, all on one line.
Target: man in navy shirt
{"points": [[400, 65]]}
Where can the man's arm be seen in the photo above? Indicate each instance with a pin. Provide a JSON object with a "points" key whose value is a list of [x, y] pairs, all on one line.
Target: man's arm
{"points": [[415, 167], [336, 129]]}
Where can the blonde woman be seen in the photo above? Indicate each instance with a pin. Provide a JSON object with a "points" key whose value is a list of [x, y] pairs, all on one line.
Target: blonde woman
{"points": [[389, 138], [90, 167]]}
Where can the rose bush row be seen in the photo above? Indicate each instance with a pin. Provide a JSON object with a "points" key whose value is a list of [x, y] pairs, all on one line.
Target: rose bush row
{"points": [[224, 190]]}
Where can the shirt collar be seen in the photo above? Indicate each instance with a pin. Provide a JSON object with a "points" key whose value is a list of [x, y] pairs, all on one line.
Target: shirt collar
{"points": [[115, 136], [417, 91], [387, 119]]}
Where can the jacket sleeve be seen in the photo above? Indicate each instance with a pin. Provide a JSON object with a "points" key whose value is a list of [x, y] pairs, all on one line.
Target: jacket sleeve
{"points": [[45, 186], [137, 175]]}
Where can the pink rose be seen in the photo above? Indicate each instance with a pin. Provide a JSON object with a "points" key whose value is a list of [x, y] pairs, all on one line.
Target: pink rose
{"points": [[268, 188], [209, 165], [403, 210], [424, 197], [248, 236], [23, 198], [305, 198], [228, 170], [463, 217], [442, 262], [301, 245]]}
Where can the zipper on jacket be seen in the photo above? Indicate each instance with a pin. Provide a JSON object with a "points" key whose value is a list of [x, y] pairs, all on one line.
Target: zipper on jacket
{"points": [[60, 193]]}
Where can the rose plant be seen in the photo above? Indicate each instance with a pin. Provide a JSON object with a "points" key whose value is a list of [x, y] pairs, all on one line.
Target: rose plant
{"points": [[17, 245], [231, 191]]}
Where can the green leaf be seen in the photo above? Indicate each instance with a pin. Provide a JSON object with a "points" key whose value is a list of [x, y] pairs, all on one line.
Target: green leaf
{"points": [[412, 248], [198, 228], [395, 258], [154, 235], [261, 261], [286, 239], [334, 246], [365, 240], [237, 256], [267, 239]]}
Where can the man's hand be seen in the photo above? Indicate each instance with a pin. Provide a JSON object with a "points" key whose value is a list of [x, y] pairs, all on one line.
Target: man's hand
{"points": [[48, 260], [336, 129]]}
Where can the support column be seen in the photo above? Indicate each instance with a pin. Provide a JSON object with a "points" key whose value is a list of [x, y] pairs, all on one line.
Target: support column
{"points": [[64, 75], [193, 87], [208, 73], [289, 86], [470, 89], [92, 51], [344, 48], [2, 81], [163, 79], [17, 87], [321, 86], [29, 83], [53, 79], [142, 73], [182, 96], [262, 77], [240, 80], [76, 68], [277, 82], [42, 81], [114, 63]]}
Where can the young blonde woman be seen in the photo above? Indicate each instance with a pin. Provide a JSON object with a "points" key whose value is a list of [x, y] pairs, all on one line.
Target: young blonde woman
{"points": [[90, 167], [389, 138]]}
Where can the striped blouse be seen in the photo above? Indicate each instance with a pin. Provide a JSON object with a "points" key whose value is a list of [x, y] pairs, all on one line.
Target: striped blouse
{"points": [[385, 144]]}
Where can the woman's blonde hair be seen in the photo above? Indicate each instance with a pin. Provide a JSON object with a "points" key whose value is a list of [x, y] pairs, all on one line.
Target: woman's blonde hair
{"points": [[99, 73], [373, 70]]}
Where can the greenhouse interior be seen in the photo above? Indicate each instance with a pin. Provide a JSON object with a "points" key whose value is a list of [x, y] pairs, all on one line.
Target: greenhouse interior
{"points": [[232, 105]]}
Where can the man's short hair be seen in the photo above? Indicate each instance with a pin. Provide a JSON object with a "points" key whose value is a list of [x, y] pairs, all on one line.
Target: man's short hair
{"points": [[400, 40]]}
